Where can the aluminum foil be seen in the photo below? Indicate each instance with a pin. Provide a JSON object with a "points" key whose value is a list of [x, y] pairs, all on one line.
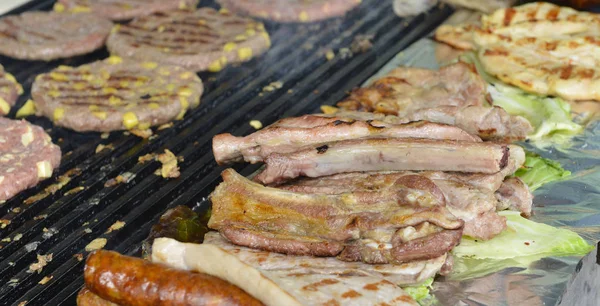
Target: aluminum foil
{"points": [[573, 204]]}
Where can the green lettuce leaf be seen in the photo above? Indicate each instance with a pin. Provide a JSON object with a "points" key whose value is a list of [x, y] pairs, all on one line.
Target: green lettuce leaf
{"points": [[550, 117], [524, 237], [538, 171], [523, 242], [420, 292]]}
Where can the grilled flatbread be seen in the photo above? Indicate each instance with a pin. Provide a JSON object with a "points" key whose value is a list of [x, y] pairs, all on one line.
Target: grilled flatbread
{"points": [[540, 47], [277, 279]]}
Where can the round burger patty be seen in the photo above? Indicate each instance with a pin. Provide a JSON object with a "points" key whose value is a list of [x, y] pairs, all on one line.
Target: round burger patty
{"points": [[27, 156], [51, 35], [122, 9], [292, 10], [116, 94], [199, 40], [10, 90]]}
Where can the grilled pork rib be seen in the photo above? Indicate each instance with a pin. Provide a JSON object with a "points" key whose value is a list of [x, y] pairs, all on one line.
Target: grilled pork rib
{"points": [[271, 219], [385, 155], [293, 134]]}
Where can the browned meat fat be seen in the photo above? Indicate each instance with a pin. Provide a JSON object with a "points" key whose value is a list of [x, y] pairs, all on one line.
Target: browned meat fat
{"points": [[291, 10], [10, 90], [122, 9], [27, 156], [198, 40], [51, 35], [116, 94], [374, 230]]}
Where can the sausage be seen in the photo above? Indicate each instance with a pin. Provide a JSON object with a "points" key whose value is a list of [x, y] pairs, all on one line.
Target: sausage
{"points": [[88, 298], [130, 281]]}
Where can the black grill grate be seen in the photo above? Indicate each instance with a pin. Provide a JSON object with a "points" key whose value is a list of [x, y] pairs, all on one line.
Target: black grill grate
{"points": [[57, 223]]}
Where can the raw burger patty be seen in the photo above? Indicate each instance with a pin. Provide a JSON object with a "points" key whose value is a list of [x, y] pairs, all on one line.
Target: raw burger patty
{"points": [[51, 35], [201, 40], [292, 10], [116, 94], [27, 156], [122, 9], [9, 91]]}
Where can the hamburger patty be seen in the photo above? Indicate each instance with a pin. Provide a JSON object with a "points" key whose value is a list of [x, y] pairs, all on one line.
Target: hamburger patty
{"points": [[116, 94], [10, 90], [122, 9], [292, 10], [51, 35], [201, 40], [27, 156]]}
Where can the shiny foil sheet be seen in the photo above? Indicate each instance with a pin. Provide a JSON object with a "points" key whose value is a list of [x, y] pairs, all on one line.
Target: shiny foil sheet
{"points": [[573, 204]]}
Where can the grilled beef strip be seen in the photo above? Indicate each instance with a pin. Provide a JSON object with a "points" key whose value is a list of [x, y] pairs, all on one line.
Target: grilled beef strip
{"points": [[271, 219], [385, 155], [294, 134]]}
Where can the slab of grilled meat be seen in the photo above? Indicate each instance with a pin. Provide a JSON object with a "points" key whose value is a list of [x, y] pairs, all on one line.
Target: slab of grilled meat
{"points": [[404, 223], [293, 134], [385, 155], [454, 95]]}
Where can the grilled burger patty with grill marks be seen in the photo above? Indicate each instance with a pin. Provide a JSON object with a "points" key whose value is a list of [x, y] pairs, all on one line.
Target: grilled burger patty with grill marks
{"points": [[291, 11], [122, 9], [50, 35], [27, 156], [10, 90], [116, 94], [201, 40]]}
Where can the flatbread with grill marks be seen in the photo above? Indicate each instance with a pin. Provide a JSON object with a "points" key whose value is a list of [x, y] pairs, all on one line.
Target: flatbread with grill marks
{"points": [[50, 35], [291, 10], [116, 94], [539, 47], [201, 40], [10, 90], [122, 9]]}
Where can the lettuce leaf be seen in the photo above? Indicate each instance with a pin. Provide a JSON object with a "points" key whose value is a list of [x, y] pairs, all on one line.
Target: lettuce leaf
{"points": [[523, 242], [524, 237], [421, 292], [550, 117], [538, 171]]}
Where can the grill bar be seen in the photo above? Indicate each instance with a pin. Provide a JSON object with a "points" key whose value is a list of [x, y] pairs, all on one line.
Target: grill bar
{"points": [[233, 97]]}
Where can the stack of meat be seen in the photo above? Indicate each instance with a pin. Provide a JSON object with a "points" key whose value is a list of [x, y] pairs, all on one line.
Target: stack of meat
{"points": [[378, 188]]}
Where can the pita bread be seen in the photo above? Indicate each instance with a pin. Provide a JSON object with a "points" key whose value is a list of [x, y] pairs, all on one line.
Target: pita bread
{"points": [[539, 47], [277, 279]]}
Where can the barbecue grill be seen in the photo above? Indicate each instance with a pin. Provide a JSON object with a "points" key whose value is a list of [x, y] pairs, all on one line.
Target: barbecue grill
{"points": [[63, 214]]}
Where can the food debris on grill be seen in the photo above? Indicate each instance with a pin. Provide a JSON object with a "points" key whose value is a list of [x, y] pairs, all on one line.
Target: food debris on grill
{"points": [[165, 126], [27, 109], [125, 177], [169, 167], [78, 256], [273, 86], [42, 261], [329, 55], [101, 147], [115, 227], [45, 280], [74, 190], [256, 124], [145, 133], [4, 223], [96, 244], [362, 43], [52, 189]]}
